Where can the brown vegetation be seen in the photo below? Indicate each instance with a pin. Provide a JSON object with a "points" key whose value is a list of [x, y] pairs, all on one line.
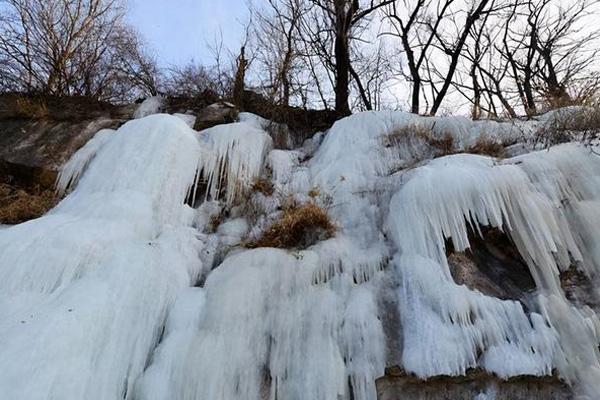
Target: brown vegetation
{"points": [[443, 145], [215, 221], [32, 108], [314, 192], [488, 147], [582, 124], [70, 108], [299, 226], [263, 186], [18, 205]]}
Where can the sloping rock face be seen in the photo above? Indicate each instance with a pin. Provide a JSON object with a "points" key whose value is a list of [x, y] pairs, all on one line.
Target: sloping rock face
{"points": [[38, 136], [31, 152]]}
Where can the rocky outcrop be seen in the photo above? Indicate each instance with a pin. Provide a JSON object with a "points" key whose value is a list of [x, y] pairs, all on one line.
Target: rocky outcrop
{"points": [[31, 152], [216, 114]]}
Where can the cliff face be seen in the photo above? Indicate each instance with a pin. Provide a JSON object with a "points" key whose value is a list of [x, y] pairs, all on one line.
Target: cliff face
{"points": [[441, 274]]}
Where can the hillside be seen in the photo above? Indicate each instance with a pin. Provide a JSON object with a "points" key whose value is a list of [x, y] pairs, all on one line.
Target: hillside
{"points": [[391, 256]]}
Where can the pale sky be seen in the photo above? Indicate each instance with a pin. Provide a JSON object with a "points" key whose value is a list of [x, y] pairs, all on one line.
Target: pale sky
{"points": [[178, 30]]}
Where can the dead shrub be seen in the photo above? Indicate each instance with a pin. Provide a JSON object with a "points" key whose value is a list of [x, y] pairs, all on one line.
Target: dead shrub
{"points": [[488, 147], [18, 205], [299, 226], [443, 145], [262, 185]]}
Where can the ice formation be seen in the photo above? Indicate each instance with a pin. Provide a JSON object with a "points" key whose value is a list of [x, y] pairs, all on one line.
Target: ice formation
{"points": [[151, 105], [86, 288], [123, 291], [230, 158]]}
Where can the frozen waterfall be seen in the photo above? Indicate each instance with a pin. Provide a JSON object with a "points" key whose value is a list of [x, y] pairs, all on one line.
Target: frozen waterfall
{"points": [[122, 291]]}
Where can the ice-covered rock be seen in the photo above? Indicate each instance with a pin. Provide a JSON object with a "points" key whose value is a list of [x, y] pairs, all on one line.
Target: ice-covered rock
{"points": [[151, 105]]}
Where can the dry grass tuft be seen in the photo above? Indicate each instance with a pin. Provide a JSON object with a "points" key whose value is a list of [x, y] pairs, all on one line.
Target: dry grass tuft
{"points": [[213, 224], [263, 186], [31, 108], [314, 192], [299, 226], [486, 146], [18, 205], [443, 145], [581, 125]]}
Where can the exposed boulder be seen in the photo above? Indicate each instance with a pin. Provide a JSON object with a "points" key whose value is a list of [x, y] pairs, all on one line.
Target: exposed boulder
{"points": [[216, 114]]}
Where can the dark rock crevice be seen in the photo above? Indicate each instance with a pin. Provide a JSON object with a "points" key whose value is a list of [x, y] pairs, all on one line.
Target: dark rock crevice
{"points": [[492, 265]]}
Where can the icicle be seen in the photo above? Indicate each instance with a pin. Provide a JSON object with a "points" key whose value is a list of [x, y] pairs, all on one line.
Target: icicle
{"points": [[285, 337], [237, 155]]}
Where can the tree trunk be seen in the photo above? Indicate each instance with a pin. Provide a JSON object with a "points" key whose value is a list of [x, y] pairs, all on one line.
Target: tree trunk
{"points": [[240, 77], [342, 69]]}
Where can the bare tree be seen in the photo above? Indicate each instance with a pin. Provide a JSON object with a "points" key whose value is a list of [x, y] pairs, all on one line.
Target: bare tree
{"points": [[337, 24], [549, 51], [564, 49], [242, 65], [191, 79], [371, 70], [482, 77], [276, 33], [72, 47], [430, 29]]}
